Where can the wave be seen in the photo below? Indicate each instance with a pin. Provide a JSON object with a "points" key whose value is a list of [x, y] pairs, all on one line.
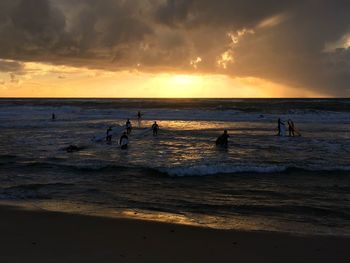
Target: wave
{"points": [[184, 171], [283, 210], [204, 110], [35, 187], [88, 166], [206, 170], [30, 191], [198, 170], [7, 157]]}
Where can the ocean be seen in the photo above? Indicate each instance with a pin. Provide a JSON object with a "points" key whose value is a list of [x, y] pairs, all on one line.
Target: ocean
{"points": [[261, 182]]}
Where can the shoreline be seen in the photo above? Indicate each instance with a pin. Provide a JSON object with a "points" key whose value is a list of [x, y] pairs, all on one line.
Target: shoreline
{"points": [[29, 235], [79, 209]]}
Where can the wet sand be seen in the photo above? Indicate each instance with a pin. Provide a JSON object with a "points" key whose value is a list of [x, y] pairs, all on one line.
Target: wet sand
{"points": [[40, 236]]}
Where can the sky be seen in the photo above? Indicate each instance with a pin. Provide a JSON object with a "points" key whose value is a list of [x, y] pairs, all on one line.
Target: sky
{"points": [[174, 48]]}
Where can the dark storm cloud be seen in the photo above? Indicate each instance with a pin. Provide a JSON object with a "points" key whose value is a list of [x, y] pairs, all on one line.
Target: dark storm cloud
{"points": [[174, 12], [11, 66], [73, 32], [290, 52], [37, 17], [29, 29], [238, 13], [288, 45], [294, 52]]}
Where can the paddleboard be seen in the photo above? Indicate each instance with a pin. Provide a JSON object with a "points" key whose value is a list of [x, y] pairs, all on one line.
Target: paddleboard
{"points": [[124, 143], [116, 132], [282, 130], [142, 133], [297, 132]]}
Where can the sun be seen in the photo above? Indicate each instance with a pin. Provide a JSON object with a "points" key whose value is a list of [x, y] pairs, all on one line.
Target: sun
{"points": [[177, 85], [184, 80]]}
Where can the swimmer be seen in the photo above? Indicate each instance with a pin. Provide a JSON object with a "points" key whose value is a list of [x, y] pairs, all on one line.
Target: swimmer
{"points": [[222, 140]]}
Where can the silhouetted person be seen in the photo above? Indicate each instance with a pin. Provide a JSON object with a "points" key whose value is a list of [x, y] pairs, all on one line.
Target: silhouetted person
{"points": [[291, 128], [280, 127], [128, 126], [139, 116], [53, 116], [155, 128], [222, 140], [123, 142], [293, 131], [109, 134]]}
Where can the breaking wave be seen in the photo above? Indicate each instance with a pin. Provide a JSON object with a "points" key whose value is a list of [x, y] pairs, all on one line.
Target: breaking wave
{"points": [[203, 170], [183, 171]]}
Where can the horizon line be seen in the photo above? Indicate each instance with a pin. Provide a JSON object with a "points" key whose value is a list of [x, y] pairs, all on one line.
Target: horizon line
{"points": [[179, 98]]}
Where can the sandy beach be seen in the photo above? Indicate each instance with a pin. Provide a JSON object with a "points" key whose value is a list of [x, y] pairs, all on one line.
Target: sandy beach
{"points": [[40, 236]]}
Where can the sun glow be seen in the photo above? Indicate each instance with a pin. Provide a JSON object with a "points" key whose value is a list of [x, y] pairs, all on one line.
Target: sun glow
{"points": [[183, 80], [179, 86], [44, 80]]}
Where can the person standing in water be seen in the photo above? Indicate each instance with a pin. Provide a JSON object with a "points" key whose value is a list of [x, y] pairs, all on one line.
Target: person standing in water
{"points": [[155, 128], [124, 141], [53, 117], [139, 116], [109, 134], [291, 128], [128, 126], [281, 128], [222, 140], [293, 131]]}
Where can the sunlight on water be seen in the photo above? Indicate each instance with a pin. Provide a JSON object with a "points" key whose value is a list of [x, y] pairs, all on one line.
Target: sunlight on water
{"points": [[192, 125]]}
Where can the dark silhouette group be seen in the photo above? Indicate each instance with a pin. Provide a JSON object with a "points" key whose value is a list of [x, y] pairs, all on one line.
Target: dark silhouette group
{"points": [[221, 141], [124, 139], [292, 130]]}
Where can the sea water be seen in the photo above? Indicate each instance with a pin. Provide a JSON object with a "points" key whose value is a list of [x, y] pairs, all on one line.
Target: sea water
{"points": [[260, 182]]}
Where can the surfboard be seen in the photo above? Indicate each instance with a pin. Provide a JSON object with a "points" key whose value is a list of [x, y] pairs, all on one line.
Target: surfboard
{"points": [[124, 143], [143, 132], [297, 132], [116, 131], [282, 130]]}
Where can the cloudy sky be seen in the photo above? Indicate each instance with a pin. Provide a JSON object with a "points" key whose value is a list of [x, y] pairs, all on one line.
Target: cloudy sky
{"points": [[175, 48]]}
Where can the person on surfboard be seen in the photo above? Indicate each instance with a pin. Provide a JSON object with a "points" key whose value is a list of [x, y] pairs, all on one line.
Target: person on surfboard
{"points": [[155, 128], [222, 140], [123, 142]]}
